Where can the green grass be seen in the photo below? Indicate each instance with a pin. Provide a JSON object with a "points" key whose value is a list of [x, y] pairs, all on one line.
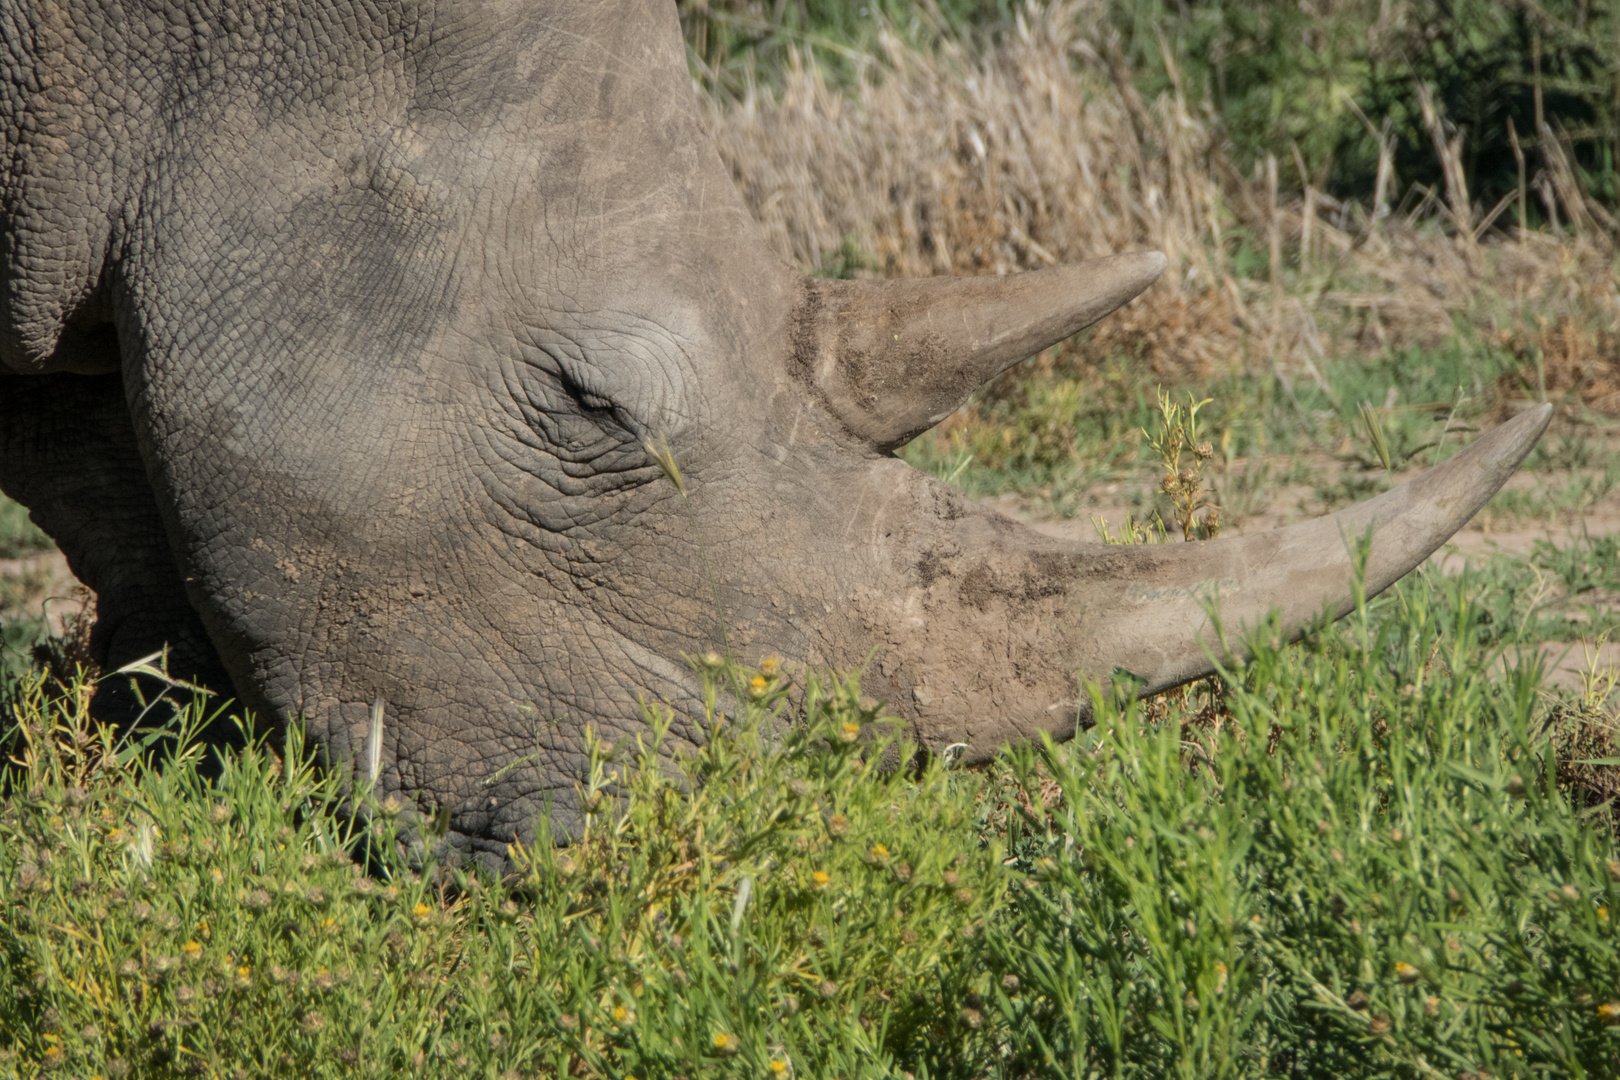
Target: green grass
{"points": [[1050, 431], [1356, 857], [20, 630], [18, 535], [1552, 593], [1360, 877]]}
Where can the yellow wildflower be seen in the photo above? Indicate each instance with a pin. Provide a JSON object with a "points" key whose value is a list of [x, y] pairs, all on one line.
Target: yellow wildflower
{"points": [[421, 913], [769, 666], [849, 731], [778, 1066], [758, 685], [1405, 973], [819, 879], [879, 851], [191, 949]]}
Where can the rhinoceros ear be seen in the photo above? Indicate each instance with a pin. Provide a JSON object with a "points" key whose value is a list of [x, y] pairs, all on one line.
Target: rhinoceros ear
{"points": [[893, 358]]}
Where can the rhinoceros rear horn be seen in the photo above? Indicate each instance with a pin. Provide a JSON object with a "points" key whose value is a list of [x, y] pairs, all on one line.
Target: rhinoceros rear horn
{"points": [[893, 358]]}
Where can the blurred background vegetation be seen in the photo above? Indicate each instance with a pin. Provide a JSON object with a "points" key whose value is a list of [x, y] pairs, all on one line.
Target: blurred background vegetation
{"points": [[1312, 78]]}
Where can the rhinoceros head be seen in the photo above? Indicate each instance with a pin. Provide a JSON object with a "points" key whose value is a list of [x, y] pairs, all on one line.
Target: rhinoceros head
{"points": [[422, 361]]}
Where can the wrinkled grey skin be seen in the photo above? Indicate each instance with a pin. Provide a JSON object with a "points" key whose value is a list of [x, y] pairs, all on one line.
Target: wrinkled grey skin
{"points": [[334, 337]]}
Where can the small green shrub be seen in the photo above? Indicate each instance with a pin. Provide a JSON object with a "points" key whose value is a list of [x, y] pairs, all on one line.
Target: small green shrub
{"points": [[1313, 78], [777, 903], [792, 904]]}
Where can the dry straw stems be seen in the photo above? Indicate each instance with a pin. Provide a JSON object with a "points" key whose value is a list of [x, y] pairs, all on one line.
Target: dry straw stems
{"points": [[1039, 149]]}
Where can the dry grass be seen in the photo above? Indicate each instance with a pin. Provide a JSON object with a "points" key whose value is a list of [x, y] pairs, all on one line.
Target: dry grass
{"points": [[1040, 150], [1568, 359]]}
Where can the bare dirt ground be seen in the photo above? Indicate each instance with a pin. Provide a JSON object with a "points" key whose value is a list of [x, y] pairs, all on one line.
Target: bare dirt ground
{"points": [[41, 586]]}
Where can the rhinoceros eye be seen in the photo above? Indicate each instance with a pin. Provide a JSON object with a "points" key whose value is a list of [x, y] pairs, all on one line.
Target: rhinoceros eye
{"points": [[616, 370], [562, 418]]}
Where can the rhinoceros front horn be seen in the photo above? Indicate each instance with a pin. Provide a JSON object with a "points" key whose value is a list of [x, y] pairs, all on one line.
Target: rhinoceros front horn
{"points": [[1152, 602], [893, 358]]}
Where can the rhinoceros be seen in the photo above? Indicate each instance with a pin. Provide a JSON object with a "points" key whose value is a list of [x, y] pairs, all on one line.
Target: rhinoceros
{"points": [[420, 361]]}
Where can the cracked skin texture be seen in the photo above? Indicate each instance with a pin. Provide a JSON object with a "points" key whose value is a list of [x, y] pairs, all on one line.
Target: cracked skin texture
{"points": [[333, 337]]}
